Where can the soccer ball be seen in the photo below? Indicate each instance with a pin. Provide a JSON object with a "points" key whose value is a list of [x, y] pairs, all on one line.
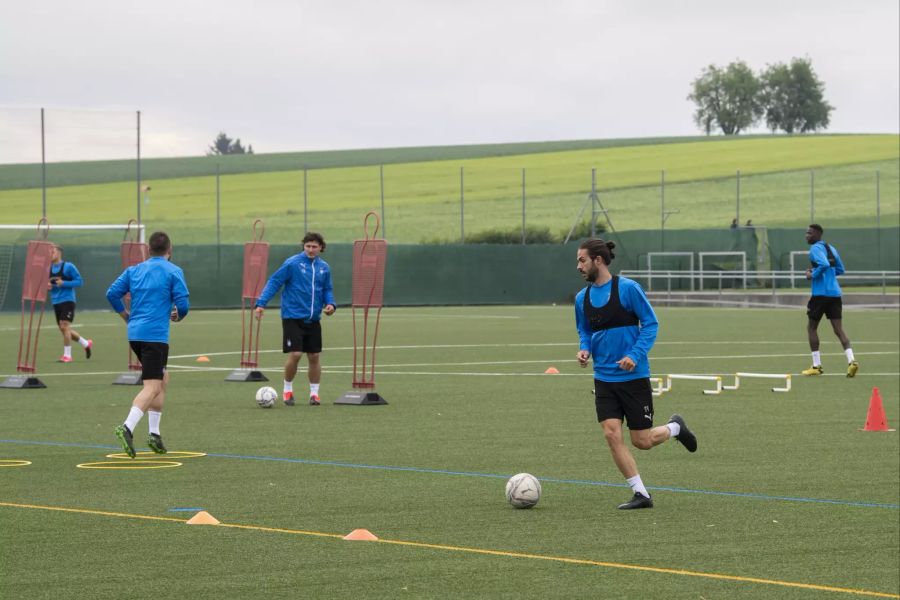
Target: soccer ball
{"points": [[266, 397], [523, 490]]}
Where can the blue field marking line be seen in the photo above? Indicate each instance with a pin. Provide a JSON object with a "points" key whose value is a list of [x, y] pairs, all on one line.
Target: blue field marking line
{"points": [[348, 465]]}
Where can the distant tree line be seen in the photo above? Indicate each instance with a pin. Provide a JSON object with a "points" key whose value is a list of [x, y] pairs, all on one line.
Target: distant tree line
{"points": [[225, 145], [789, 96]]}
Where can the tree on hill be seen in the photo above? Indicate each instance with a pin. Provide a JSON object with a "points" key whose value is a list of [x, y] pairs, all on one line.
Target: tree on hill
{"points": [[728, 98], [225, 145], [794, 97]]}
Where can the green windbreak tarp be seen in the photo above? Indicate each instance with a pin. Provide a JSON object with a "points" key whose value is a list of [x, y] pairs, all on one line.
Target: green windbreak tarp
{"points": [[467, 274]]}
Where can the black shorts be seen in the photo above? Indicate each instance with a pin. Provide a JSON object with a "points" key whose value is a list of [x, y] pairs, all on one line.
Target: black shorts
{"points": [[65, 311], [830, 306], [153, 357], [301, 336], [630, 401]]}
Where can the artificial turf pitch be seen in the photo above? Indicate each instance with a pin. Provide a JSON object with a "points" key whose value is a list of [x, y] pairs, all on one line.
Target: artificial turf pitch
{"points": [[785, 498]]}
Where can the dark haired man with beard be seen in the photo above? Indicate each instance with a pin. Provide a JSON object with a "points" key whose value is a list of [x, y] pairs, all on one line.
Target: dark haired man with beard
{"points": [[617, 327]]}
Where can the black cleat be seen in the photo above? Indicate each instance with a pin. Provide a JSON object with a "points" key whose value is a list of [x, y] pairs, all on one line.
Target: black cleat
{"points": [[686, 436], [638, 501], [156, 444], [289, 399], [87, 349], [124, 435]]}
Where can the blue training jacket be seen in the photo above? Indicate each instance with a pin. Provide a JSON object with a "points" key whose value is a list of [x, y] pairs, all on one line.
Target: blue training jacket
{"points": [[71, 279], [610, 345], [824, 276], [155, 285], [307, 288]]}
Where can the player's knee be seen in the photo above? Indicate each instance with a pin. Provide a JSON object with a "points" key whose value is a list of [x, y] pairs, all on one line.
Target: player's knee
{"points": [[613, 436], [642, 442]]}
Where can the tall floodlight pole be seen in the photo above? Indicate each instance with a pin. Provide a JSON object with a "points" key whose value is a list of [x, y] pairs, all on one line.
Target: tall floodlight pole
{"points": [[737, 211], [139, 168], [43, 170]]}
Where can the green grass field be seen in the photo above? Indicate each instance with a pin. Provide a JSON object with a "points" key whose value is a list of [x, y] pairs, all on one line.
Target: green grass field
{"points": [[785, 498], [422, 199]]}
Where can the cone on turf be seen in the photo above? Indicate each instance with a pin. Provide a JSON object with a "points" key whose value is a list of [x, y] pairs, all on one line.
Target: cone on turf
{"points": [[551, 371], [361, 535], [203, 518], [876, 420], [202, 359]]}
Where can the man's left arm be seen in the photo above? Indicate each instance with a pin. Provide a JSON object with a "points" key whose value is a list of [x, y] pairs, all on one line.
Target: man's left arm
{"points": [[636, 301], [838, 263], [180, 295], [328, 294], [75, 280]]}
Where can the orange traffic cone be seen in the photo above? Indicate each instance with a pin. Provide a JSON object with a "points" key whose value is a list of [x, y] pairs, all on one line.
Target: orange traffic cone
{"points": [[551, 371], [876, 419]]}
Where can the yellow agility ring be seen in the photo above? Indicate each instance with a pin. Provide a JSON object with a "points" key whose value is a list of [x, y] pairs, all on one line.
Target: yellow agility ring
{"points": [[155, 456], [11, 462], [135, 464]]}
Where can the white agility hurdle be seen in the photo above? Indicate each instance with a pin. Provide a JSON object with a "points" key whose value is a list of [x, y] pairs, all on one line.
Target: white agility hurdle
{"points": [[658, 388], [785, 376], [716, 378]]}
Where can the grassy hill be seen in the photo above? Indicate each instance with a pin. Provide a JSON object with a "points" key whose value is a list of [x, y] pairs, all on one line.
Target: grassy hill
{"points": [[779, 178]]}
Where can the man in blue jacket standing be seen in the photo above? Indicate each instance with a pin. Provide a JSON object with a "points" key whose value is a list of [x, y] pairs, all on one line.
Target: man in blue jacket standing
{"points": [[825, 266], [617, 327], [64, 278], [159, 294], [308, 292]]}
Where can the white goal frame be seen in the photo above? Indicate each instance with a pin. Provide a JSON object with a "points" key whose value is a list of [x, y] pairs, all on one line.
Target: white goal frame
{"points": [[742, 254], [650, 256], [792, 265]]}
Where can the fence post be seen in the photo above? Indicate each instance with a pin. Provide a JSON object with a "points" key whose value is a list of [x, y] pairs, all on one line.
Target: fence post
{"points": [[462, 206], [523, 206], [383, 218], [218, 226], [738, 198], [878, 214], [812, 196]]}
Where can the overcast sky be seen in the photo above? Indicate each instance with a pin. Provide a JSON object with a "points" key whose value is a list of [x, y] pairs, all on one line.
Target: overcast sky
{"points": [[294, 75]]}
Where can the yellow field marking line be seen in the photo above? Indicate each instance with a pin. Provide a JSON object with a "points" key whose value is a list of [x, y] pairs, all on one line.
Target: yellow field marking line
{"points": [[12, 462], [561, 559]]}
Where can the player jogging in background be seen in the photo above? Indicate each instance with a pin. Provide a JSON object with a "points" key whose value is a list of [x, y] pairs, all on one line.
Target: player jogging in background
{"points": [[158, 295], [64, 278], [308, 293], [825, 266], [616, 328]]}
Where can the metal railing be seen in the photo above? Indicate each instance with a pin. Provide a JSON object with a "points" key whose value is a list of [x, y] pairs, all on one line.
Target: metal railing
{"points": [[760, 280]]}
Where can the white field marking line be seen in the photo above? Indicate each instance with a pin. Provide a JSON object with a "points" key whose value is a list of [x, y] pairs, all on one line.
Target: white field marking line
{"points": [[520, 345], [349, 371], [568, 359]]}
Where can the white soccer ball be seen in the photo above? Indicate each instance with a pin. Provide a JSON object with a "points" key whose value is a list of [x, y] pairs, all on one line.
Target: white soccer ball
{"points": [[266, 397], [523, 490]]}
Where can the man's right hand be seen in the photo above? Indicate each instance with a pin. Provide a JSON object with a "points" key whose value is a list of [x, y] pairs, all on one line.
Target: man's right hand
{"points": [[259, 310], [583, 357]]}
